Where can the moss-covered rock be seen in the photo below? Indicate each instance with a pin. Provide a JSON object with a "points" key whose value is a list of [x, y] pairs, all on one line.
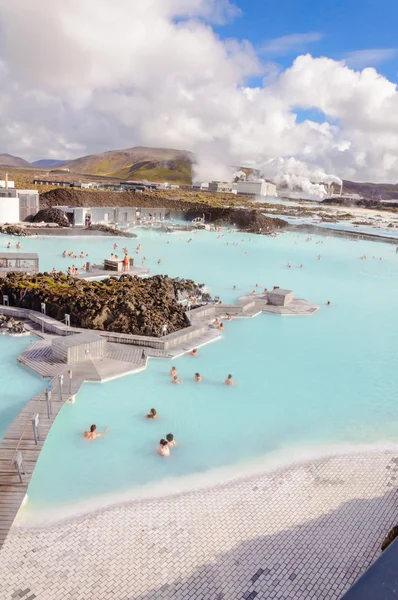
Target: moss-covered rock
{"points": [[125, 305], [51, 215], [13, 230]]}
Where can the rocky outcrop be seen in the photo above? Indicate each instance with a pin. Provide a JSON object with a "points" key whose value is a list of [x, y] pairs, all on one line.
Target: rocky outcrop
{"points": [[13, 230], [110, 230], [11, 326], [251, 221], [51, 215], [125, 305]]}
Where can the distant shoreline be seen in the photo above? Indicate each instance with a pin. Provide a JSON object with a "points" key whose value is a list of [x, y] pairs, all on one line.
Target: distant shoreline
{"points": [[360, 235], [71, 231]]}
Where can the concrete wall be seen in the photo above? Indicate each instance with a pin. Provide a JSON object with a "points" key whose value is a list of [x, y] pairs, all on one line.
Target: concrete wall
{"points": [[276, 299], [28, 204], [9, 210], [270, 189], [79, 352], [252, 187], [122, 215], [260, 188]]}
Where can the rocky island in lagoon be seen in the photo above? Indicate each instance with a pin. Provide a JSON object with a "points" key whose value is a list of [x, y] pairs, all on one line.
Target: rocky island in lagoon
{"points": [[128, 304]]}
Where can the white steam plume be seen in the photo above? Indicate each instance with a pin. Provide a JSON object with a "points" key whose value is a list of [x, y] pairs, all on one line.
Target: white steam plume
{"points": [[296, 175]]}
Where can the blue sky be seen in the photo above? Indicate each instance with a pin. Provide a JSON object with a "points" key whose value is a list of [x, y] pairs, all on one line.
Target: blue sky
{"points": [[333, 28]]}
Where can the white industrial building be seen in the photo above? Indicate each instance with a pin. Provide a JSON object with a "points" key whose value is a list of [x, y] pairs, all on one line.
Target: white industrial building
{"points": [[222, 186], [16, 204], [104, 215], [257, 188], [7, 183], [200, 185]]}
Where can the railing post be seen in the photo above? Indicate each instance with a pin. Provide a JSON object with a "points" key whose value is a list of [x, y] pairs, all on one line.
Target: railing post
{"points": [[35, 425], [19, 464], [60, 382], [48, 400], [70, 381]]}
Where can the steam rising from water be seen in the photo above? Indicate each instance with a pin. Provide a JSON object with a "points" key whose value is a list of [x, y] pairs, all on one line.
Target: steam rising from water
{"points": [[296, 175]]}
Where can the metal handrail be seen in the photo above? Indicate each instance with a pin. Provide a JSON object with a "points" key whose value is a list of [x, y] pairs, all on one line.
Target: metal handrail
{"points": [[28, 420]]}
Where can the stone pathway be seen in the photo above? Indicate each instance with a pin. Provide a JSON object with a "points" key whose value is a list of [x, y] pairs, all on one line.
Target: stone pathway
{"points": [[303, 533]]}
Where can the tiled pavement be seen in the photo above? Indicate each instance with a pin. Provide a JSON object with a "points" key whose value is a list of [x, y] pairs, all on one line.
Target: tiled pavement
{"points": [[302, 533]]}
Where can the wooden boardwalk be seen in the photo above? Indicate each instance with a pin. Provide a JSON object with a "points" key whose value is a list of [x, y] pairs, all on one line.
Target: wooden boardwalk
{"points": [[20, 438]]}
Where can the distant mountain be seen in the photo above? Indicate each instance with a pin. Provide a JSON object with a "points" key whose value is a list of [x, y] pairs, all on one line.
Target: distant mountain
{"points": [[48, 163], [152, 164], [8, 160], [372, 191]]}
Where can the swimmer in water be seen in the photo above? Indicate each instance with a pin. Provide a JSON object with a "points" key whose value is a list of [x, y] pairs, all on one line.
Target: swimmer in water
{"points": [[9, 245], [176, 380], [229, 318], [92, 434], [221, 326], [163, 448], [234, 288], [288, 265], [216, 321], [18, 245], [159, 261], [64, 254], [328, 303], [152, 414], [170, 439], [198, 377], [173, 371], [193, 352], [229, 380], [81, 254], [114, 246]]}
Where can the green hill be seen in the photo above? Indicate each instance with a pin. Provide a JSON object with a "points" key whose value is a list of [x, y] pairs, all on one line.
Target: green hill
{"points": [[153, 164]]}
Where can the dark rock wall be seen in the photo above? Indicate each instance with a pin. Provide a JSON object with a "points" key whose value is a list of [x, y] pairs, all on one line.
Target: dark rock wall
{"points": [[128, 305]]}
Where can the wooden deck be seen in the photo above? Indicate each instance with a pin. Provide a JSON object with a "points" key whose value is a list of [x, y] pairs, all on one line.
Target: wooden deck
{"points": [[20, 437], [96, 272]]}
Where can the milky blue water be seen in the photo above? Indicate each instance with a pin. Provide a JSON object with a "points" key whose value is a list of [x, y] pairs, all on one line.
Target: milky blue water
{"points": [[17, 384], [302, 382]]}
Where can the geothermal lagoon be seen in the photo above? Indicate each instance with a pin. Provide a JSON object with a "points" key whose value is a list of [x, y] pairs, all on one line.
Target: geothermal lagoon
{"points": [[306, 386]]}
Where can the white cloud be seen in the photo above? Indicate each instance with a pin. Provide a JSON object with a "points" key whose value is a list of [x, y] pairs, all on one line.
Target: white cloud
{"points": [[93, 75], [369, 58], [295, 42]]}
